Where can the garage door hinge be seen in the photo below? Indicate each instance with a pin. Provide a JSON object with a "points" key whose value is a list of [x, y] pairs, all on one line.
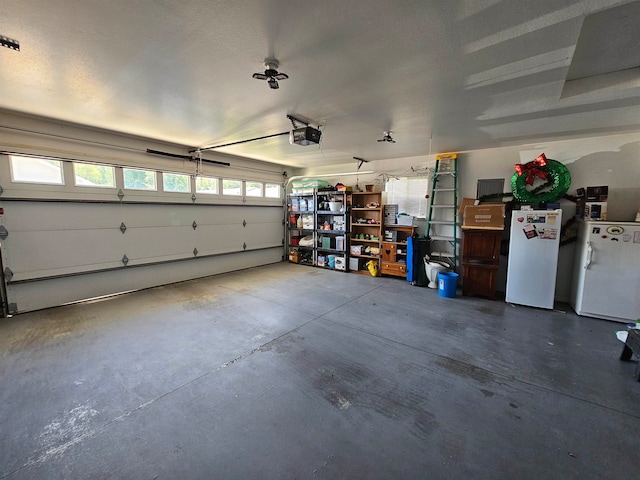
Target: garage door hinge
{"points": [[244, 223], [194, 225], [123, 228], [283, 241], [8, 274], [120, 194], [4, 233], [1, 190], [193, 198], [244, 246], [195, 252], [125, 260]]}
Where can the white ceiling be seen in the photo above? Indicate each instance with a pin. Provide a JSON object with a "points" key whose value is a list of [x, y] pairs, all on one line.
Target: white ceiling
{"points": [[443, 76]]}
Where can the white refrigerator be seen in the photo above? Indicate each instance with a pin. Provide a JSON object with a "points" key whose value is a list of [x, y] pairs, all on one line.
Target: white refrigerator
{"points": [[606, 271], [533, 257]]}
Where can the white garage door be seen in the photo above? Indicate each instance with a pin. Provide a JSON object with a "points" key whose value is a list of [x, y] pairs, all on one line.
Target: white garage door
{"points": [[58, 252], [72, 230]]}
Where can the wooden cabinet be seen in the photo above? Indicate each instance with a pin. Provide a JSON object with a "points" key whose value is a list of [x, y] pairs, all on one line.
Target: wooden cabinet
{"points": [[480, 262], [394, 250], [366, 230]]}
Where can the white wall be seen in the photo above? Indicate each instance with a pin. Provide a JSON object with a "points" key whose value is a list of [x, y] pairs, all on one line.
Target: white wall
{"points": [[612, 160]]}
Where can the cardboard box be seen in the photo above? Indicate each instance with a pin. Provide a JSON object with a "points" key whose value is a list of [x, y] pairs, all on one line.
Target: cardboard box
{"points": [[464, 203], [489, 216]]}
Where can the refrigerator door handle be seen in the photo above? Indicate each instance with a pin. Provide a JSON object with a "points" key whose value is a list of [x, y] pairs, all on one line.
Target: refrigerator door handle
{"points": [[589, 256]]}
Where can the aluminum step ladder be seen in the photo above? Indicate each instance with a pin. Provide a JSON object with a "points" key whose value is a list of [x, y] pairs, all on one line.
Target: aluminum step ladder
{"points": [[443, 229]]}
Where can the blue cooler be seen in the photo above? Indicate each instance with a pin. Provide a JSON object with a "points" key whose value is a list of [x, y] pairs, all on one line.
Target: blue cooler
{"points": [[447, 284]]}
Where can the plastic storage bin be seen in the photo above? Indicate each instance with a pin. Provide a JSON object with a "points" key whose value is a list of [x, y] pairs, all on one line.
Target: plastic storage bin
{"points": [[447, 284]]}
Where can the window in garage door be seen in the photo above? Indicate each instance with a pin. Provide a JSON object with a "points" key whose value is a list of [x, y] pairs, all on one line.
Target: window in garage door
{"points": [[208, 185], [253, 189], [175, 182], [135, 179], [36, 170], [272, 190], [231, 187], [89, 175]]}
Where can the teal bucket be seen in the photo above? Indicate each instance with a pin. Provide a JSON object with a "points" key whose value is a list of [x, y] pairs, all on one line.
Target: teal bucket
{"points": [[332, 261], [447, 284]]}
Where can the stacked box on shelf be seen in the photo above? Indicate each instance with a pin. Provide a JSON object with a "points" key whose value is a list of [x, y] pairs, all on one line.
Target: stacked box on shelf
{"points": [[307, 222], [310, 204], [390, 214], [390, 235]]}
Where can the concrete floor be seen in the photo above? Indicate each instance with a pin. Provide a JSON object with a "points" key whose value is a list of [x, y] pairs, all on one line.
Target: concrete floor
{"points": [[291, 372]]}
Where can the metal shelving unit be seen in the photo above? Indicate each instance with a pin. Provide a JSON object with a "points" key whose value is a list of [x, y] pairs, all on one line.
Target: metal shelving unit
{"points": [[316, 234]]}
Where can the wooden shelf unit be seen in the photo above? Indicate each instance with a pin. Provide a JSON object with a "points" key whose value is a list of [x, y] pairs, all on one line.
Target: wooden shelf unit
{"points": [[365, 230]]}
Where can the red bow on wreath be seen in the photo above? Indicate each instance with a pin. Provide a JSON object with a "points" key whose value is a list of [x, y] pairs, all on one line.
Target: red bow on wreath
{"points": [[532, 169]]}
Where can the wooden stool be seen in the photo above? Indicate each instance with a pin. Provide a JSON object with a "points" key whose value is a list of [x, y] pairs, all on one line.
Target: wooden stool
{"points": [[631, 346]]}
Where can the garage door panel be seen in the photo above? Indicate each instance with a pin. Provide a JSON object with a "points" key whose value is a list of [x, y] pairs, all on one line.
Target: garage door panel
{"points": [[59, 252], [218, 215], [213, 239], [264, 215], [264, 235], [158, 215], [44, 216], [156, 242]]}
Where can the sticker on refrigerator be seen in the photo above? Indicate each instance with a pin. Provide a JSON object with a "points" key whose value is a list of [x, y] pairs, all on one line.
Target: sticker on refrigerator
{"points": [[536, 219], [636, 237], [626, 237], [549, 233], [530, 231], [615, 230]]}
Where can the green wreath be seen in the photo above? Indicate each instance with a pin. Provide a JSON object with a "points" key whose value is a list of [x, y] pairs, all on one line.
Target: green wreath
{"points": [[557, 177]]}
